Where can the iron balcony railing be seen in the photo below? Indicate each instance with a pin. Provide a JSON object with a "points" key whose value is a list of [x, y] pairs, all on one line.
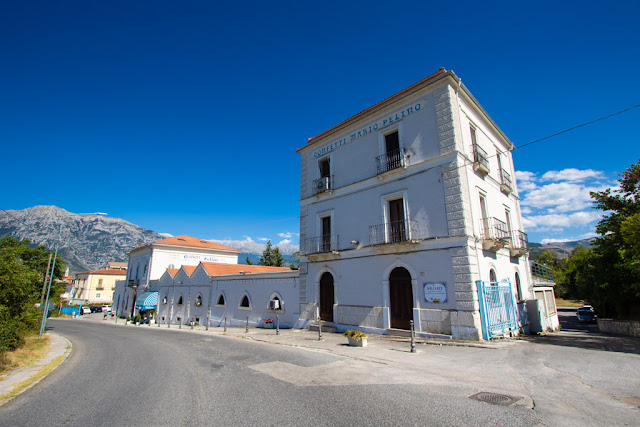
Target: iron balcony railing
{"points": [[541, 271], [519, 240], [393, 159], [505, 180], [480, 157], [323, 184], [320, 244], [493, 229], [391, 232]]}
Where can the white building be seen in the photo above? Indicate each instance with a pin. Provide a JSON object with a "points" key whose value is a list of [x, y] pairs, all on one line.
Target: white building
{"points": [[149, 262], [409, 212]]}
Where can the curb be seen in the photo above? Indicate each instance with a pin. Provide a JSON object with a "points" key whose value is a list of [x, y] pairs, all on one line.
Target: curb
{"points": [[67, 352]]}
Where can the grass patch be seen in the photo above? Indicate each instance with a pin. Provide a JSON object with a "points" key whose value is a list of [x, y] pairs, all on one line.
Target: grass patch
{"points": [[569, 302], [33, 350], [17, 388]]}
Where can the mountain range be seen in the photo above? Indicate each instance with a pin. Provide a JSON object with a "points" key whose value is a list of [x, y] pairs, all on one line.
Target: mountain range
{"points": [[89, 242]]}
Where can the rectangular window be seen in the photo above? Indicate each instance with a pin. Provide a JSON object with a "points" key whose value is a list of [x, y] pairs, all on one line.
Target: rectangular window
{"points": [[326, 234], [474, 138], [485, 217], [325, 169], [98, 294]]}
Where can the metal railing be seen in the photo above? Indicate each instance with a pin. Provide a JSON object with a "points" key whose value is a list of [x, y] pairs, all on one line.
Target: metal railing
{"points": [[132, 282], [320, 244], [480, 156], [541, 271], [505, 179], [391, 232], [493, 229], [393, 159], [323, 184], [519, 240]]}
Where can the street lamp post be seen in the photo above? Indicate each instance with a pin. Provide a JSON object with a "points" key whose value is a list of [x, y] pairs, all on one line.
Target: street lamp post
{"points": [[43, 325]]}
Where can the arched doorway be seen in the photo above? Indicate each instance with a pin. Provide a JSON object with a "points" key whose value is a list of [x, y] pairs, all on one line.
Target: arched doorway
{"points": [[326, 297], [400, 298]]}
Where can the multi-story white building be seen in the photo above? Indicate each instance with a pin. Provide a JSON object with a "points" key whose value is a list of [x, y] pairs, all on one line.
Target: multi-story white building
{"points": [[149, 262], [409, 212]]}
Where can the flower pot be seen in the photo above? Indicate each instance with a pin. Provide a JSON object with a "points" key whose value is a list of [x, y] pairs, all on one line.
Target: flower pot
{"points": [[357, 343], [268, 325]]}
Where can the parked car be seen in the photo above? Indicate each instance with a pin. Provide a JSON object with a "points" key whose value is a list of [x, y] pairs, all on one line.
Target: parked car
{"points": [[85, 310], [106, 309], [586, 314]]}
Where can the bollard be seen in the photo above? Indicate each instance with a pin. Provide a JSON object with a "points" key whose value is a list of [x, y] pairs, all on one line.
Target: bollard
{"points": [[180, 324], [169, 323], [247, 328], [277, 325], [116, 319], [413, 338], [149, 324], [192, 322], [319, 329], [225, 323], [207, 327], [158, 323]]}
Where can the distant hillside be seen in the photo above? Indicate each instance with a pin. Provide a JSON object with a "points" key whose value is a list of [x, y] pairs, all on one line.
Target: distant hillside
{"points": [[560, 249], [86, 242]]}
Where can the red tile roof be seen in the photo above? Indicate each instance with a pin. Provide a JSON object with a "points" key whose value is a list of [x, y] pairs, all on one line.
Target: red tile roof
{"points": [[173, 271], [189, 269], [107, 271], [218, 269], [189, 241]]}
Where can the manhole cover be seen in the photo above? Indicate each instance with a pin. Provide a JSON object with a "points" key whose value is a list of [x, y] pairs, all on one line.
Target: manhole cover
{"points": [[495, 398]]}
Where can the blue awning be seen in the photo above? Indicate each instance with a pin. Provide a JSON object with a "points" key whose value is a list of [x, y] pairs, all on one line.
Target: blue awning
{"points": [[147, 301]]}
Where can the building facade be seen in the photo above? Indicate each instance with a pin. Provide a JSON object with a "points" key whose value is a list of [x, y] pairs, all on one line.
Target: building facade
{"points": [[149, 262], [404, 209], [96, 286]]}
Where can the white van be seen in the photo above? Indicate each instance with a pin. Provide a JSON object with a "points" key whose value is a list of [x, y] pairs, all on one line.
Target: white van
{"points": [[106, 309]]}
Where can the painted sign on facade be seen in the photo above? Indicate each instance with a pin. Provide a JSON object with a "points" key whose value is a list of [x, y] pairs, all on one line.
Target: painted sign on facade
{"points": [[435, 292]]}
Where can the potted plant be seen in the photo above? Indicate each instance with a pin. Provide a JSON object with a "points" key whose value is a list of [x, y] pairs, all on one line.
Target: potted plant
{"points": [[356, 338], [268, 323]]}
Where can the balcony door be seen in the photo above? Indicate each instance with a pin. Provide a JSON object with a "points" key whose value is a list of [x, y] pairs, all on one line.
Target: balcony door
{"points": [[400, 298], [397, 224], [326, 297], [392, 145], [326, 234]]}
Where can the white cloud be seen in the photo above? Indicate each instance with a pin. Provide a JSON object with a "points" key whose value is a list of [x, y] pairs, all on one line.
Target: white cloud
{"points": [[526, 181], [286, 235], [263, 239], [572, 175], [285, 242], [561, 197], [559, 221], [526, 210], [569, 239]]}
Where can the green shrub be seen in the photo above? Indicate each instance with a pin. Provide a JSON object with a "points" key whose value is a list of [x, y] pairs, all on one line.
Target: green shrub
{"points": [[356, 335]]}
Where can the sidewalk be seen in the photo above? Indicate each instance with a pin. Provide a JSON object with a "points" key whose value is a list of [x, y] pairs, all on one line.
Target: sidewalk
{"points": [[380, 347], [59, 347]]}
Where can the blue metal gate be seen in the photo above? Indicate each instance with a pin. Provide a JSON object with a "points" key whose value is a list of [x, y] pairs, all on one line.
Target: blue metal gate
{"points": [[497, 309]]}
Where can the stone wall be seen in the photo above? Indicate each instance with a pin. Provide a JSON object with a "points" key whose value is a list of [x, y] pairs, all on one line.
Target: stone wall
{"points": [[620, 327]]}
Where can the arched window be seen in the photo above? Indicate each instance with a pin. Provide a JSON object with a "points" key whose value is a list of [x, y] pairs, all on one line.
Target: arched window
{"points": [[518, 289], [180, 300], [198, 300], [221, 300], [492, 276], [244, 302], [275, 303]]}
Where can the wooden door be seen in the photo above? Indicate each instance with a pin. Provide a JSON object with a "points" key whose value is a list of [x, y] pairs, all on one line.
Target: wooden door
{"points": [[397, 228], [400, 298], [326, 297], [326, 234]]}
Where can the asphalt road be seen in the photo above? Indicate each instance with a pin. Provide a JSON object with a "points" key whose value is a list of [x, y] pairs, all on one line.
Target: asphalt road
{"points": [[127, 375]]}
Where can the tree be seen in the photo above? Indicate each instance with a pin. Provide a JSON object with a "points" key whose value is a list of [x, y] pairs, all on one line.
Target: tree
{"points": [[248, 261], [276, 258], [22, 271], [267, 255], [616, 258]]}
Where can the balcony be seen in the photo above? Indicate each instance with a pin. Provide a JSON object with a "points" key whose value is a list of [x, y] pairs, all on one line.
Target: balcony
{"points": [[394, 159], [480, 160], [323, 185], [541, 272], [494, 234], [391, 232], [506, 185], [133, 283], [321, 244], [519, 244]]}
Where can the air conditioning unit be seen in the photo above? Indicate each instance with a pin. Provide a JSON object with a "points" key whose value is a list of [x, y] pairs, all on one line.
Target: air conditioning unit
{"points": [[274, 304], [322, 185]]}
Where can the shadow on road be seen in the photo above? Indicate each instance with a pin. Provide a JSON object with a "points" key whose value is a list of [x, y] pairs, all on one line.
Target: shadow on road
{"points": [[581, 335]]}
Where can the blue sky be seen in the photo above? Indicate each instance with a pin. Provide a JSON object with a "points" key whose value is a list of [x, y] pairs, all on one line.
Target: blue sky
{"points": [[184, 117]]}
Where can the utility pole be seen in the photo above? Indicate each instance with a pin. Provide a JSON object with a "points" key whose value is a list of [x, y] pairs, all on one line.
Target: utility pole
{"points": [[44, 284]]}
